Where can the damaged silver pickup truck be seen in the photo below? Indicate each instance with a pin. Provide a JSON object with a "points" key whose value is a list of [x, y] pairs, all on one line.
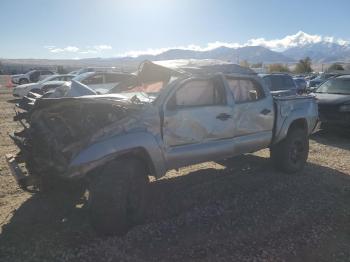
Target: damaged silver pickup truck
{"points": [[169, 118]]}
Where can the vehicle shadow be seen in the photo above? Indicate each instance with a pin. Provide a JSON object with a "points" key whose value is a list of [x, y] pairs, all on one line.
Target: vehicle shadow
{"points": [[340, 139], [245, 195]]}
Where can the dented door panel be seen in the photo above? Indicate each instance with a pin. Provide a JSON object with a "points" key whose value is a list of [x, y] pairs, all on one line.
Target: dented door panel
{"points": [[198, 125]]}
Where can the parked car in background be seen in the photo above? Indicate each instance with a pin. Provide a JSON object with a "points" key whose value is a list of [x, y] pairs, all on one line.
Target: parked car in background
{"points": [[93, 69], [23, 90], [92, 83], [333, 98], [101, 82], [301, 84], [32, 76], [280, 84], [315, 82]]}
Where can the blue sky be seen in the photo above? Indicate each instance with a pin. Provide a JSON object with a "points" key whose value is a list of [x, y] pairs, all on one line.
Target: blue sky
{"points": [[105, 28]]}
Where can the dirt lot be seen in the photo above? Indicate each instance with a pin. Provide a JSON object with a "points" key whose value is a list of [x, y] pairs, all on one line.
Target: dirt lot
{"points": [[236, 210]]}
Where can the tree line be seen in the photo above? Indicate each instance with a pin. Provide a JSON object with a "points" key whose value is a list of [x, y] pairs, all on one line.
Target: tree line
{"points": [[304, 66]]}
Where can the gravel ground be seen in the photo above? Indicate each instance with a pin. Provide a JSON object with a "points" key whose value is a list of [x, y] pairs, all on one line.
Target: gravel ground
{"points": [[235, 210]]}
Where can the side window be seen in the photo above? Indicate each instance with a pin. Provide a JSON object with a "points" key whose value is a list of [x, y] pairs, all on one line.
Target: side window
{"points": [[289, 82], [34, 77], [245, 90], [267, 81], [47, 88], [46, 72], [198, 93], [93, 80], [67, 78], [276, 83]]}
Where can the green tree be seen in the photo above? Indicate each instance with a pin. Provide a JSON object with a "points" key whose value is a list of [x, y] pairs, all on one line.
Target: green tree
{"points": [[335, 67], [278, 68], [257, 65], [244, 63], [303, 66]]}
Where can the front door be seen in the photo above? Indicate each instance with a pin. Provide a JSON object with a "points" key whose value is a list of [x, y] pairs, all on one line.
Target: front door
{"points": [[196, 116]]}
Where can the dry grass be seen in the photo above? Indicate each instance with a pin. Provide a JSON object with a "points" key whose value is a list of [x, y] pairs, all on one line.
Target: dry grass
{"points": [[235, 210]]}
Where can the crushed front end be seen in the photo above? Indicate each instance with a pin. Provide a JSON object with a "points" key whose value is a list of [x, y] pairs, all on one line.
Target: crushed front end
{"points": [[55, 130]]}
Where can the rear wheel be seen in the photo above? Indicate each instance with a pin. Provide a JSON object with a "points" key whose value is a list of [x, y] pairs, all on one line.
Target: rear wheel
{"points": [[290, 154], [118, 196]]}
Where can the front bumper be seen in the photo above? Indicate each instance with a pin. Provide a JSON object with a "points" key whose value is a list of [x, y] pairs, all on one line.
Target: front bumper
{"points": [[24, 181]]}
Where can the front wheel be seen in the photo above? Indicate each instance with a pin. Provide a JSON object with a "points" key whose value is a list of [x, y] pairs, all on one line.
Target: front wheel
{"points": [[290, 155], [118, 196]]}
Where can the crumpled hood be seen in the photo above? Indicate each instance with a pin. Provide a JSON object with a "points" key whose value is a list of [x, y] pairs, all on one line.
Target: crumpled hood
{"points": [[72, 89], [117, 99]]}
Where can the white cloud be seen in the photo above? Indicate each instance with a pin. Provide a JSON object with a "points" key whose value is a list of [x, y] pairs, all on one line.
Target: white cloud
{"points": [[54, 49], [73, 49], [102, 47]]}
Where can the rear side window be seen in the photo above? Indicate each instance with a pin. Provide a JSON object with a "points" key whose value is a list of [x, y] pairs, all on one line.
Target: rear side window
{"points": [[199, 93], [245, 90], [279, 82], [289, 82]]}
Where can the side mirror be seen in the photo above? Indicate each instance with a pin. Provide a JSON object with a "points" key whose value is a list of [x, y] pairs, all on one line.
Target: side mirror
{"points": [[253, 95]]}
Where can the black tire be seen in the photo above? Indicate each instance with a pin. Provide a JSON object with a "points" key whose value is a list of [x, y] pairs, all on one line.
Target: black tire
{"points": [[51, 185], [290, 155], [23, 81], [118, 196]]}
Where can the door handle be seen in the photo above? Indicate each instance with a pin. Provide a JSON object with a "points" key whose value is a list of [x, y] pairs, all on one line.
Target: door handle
{"points": [[223, 116], [265, 111]]}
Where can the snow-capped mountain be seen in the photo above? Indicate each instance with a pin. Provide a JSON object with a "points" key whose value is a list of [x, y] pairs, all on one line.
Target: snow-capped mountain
{"points": [[324, 52], [252, 54], [288, 49]]}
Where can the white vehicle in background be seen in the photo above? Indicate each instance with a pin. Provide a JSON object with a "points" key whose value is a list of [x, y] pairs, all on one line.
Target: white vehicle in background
{"points": [[93, 69], [32, 76], [101, 82], [23, 90]]}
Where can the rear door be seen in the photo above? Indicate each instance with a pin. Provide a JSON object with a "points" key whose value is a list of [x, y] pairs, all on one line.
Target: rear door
{"points": [[253, 113]]}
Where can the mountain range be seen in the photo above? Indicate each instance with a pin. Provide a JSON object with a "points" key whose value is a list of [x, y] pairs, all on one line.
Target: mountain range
{"points": [[290, 49], [286, 50]]}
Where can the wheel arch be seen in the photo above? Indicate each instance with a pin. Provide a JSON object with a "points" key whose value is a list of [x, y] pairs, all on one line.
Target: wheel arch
{"points": [[299, 123], [289, 124], [139, 145]]}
